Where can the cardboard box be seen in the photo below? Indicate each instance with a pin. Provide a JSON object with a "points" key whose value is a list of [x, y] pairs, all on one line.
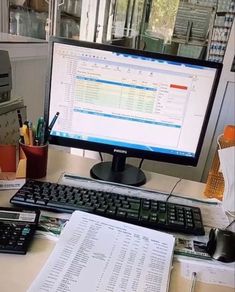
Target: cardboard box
{"points": [[39, 5], [7, 158], [12, 169]]}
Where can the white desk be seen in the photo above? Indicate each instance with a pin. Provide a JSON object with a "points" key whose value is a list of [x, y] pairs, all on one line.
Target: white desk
{"points": [[17, 271]]}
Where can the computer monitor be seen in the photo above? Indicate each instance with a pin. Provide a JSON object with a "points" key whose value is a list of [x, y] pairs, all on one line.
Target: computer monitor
{"points": [[128, 103]]}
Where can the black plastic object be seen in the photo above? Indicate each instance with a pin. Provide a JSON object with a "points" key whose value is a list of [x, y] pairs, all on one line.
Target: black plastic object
{"points": [[159, 215], [17, 228], [221, 245], [118, 171]]}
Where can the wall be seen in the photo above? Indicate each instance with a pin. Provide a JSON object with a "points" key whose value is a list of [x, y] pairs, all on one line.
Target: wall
{"points": [[224, 107], [29, 66], [28, 78]]}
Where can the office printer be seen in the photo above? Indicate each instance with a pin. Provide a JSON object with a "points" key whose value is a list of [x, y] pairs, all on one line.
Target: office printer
{"points": [[5, 76]]}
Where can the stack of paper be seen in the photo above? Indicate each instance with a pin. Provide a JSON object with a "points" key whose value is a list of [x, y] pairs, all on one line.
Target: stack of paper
{"points": [[96, 254]]}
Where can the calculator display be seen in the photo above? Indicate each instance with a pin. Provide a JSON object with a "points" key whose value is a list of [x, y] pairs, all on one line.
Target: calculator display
{"points": [[9, 215], [19, 216]]}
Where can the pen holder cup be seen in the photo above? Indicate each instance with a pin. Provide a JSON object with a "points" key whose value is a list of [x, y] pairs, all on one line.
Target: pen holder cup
{"points": [[36, 156]]}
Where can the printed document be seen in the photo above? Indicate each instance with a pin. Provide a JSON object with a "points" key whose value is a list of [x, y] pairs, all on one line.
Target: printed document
{"points": [[97, 254], [210, 272]]}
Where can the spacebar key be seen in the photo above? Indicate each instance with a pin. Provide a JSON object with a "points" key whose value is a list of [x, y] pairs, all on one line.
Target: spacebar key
{"points": [[61, 206], [69, 207], [84, 208]]}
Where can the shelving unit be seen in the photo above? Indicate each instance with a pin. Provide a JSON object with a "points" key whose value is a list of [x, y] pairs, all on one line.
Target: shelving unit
{"points": [[221, 31]]}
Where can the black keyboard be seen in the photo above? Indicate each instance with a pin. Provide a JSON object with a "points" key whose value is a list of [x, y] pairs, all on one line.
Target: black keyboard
{"points": [[150, 213]]}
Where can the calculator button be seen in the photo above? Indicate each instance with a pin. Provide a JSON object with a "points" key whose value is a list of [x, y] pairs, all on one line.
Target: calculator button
{"points": [[25, 231]]}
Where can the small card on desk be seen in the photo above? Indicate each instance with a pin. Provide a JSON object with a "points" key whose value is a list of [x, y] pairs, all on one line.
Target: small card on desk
{"points": [[12, 173]]}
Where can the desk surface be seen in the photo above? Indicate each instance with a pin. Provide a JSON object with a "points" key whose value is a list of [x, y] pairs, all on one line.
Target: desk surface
{"points": [[17, 271]]}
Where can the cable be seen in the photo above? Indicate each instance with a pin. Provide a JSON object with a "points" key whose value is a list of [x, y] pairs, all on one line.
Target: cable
{"points": [[170, 194], [141, 162], [230, 214], [230, 224], [101, 157]]}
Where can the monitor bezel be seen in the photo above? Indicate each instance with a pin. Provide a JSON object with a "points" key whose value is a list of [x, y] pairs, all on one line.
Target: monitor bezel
{"points": [[111, 149]]}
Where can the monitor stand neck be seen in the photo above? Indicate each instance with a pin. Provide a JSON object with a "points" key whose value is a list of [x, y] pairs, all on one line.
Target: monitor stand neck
{"points": [[118, 171]]}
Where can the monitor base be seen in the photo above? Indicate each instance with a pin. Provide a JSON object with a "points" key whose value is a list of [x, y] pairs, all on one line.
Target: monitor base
{"points": [[130, 175]]}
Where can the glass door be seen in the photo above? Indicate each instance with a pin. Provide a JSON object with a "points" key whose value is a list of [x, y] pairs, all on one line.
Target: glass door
{"points": [[197, 29], [66, 17], [105, 21], [28, 18], [127, 22], [43, 18]]}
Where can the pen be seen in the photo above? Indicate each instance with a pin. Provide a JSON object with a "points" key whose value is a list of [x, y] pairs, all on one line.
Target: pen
{"points": [[49, 128], [194, 275], [52, 122], [20, 124], [19, 118]]}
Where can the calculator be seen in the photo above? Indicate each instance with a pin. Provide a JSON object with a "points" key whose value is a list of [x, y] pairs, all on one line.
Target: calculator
{"points": [[17, 228]]}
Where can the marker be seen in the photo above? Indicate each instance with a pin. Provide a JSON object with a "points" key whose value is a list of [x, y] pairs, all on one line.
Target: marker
{"points": [[39, 131], [42, 135]]}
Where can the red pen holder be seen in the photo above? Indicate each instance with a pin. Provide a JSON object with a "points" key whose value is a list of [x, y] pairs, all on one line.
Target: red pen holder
{"points": [[36, 165]]}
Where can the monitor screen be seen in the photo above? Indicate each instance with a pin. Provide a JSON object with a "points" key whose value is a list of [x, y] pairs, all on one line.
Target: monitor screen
{"points": [[128, 103]]}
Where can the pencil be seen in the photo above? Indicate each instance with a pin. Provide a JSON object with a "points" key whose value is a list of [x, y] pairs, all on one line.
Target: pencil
{"points": [[31, 139]]}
